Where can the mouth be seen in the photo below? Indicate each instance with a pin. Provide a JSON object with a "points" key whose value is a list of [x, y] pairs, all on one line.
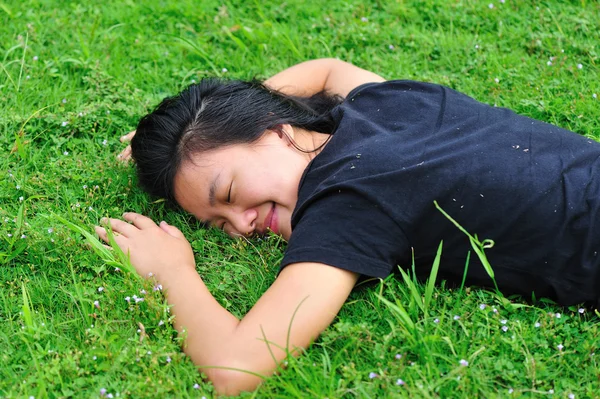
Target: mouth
{"points": [[271, 221]]}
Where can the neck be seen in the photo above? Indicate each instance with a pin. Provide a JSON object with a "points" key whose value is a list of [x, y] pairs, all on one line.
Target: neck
{"points": [[310, 141]]}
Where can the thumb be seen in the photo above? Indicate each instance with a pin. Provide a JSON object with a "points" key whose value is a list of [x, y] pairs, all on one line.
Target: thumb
{"points": [[171, 230]]}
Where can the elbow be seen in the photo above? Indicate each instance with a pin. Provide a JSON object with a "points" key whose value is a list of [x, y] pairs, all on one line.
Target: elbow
{"points": [[232, 382]]}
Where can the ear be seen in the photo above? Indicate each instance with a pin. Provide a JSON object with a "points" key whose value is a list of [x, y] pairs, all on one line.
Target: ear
{"points": [[286, 132]]}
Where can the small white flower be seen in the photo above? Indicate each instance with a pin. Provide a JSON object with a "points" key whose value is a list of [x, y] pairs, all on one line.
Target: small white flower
{"points": [[494, 309], [100, 289], [594, 95], [398, 356], [107, 112], [571, 396], [23, 236], [581, 310], [149, 352], [104, 142], [64, 100], [143, 292], [65, 123], [579, 66], [463, 362], [482, 306], [127, 298], [558, 315], [504, 321], [50, 230], [18, 187], [35, 58], [391, 46], [364, 19], [549, 63], [66, 153], [224, 70], [160, 323], [551, 391], [504, 328], [491, 6], [27, 77], [139, 300], [537, 324], [560, 347], [510, 390], [476, 46], [21, 199], [168, 359], [84, 186], [400, 382], [97, 304], [196, 386], [497, 80], [77, 205], [436, 321], [456, 317], [90, 208], [94, 357]]}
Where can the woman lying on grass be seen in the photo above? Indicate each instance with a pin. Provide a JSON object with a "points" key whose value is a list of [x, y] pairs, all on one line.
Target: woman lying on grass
{"points": [[346, 167]]}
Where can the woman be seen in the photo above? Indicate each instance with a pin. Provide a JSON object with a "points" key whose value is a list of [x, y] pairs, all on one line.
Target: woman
{"points": [[351, 185]]}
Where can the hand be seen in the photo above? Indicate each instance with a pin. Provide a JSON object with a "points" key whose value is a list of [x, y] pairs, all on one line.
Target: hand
{"points": [[158, 249], [125, 155]]}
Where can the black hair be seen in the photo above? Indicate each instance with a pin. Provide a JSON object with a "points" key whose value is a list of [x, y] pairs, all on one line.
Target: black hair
{"points": [[213, 114]]}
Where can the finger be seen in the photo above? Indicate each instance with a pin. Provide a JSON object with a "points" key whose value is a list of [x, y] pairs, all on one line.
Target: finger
{"points": [[127, 137], [171, 230], [139, 221], [125, 155], [101, 232], [120, 227]]}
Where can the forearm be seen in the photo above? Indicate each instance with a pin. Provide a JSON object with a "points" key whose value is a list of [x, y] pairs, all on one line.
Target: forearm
{"points": [[329, 74], [206, 326], [304, 79]]}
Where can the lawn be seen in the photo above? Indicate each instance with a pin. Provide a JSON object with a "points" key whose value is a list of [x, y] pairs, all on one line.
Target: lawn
{"points": [[74, 76]]}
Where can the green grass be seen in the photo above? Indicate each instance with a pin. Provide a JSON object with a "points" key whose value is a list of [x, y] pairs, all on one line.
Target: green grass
{"points": [[74, 76]]}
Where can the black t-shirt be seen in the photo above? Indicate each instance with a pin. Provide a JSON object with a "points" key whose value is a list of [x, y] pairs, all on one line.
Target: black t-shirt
{"points": [[366, 202]]}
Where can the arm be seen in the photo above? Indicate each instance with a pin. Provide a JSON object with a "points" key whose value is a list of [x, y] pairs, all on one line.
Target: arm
{"points": [[330, 74], [309, 293]]}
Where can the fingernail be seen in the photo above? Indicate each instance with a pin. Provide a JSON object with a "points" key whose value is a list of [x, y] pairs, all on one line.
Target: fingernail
{"points": [[103, 220]]}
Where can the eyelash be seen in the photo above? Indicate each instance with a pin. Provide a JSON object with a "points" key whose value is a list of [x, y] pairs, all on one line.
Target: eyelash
{"points": [[229, 194]]}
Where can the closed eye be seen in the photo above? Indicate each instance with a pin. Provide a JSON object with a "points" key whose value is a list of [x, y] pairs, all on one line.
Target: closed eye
{"points": [[229, 193]]}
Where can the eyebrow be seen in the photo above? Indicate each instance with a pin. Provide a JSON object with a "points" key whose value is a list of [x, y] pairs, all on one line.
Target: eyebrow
{"points": [[212, 191]]}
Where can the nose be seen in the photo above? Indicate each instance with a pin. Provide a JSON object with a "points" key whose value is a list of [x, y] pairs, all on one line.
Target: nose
{"points": [[241, 222]]}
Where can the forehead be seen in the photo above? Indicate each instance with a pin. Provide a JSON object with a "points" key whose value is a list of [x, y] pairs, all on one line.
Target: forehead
{"points": [[192, 186]]}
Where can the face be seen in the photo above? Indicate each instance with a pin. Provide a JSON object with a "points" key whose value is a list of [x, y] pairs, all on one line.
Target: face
{"points": [[244, 189]]}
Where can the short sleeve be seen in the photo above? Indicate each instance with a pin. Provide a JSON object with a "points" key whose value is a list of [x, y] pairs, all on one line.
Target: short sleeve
{"points": [[346, 230]]}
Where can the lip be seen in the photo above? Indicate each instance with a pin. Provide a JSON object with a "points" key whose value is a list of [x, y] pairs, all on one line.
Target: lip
{"points": [[270, 222]]}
